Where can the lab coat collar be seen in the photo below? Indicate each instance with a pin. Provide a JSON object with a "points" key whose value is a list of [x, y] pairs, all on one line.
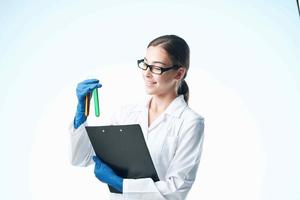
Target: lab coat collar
{"points": [[175, 108]]}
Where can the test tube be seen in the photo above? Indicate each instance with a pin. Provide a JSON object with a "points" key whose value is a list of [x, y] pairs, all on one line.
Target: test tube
{"points": [[87, 105], [96, 102]]}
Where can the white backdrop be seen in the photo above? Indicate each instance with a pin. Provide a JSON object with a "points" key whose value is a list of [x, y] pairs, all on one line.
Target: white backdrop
{"points": [[244, 79]]}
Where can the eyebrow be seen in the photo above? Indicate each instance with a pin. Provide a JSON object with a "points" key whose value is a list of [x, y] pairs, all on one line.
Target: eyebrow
{"points": [[156, 61]]}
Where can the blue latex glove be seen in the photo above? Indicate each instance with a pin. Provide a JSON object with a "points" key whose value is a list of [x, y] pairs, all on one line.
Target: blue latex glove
{"points": [[106, 175], [83, 88]]}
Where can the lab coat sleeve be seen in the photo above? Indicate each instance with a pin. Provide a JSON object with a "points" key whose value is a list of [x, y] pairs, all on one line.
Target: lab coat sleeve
{"points": [[181, 173], [80, 146], [81, 149]]}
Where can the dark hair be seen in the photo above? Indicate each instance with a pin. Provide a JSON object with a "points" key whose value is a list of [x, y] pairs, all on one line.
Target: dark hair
{"points": [[179, 53]]}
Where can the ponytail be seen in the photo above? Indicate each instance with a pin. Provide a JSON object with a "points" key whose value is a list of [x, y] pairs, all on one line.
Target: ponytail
{"points": [[184, 90]]}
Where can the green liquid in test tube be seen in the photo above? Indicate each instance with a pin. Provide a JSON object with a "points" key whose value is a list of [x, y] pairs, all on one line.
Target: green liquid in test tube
{"points": [[96, 102]]}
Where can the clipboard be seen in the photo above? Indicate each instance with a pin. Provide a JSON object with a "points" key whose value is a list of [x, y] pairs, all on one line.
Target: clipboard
{"points": [[124, 149]]}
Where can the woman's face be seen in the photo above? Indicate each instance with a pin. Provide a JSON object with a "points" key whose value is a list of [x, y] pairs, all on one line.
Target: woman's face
{"points": [[166, 82]]}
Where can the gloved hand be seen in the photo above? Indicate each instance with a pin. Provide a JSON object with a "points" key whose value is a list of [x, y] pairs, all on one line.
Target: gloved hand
{"points": [[83, 88], [106, 175]]}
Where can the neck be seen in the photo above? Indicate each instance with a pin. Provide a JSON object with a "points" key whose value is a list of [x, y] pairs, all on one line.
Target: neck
{"points": [[159, 103]]}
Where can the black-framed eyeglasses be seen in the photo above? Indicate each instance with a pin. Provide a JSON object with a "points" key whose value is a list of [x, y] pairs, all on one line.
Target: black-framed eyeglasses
{"points": [[154, 69]]}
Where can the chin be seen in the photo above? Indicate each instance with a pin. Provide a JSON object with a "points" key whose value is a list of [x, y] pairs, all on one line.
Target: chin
{"points": [[150, 91]]}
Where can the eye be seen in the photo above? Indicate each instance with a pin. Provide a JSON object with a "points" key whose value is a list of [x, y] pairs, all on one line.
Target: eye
{"points": [[156, 70], [142, 65]]}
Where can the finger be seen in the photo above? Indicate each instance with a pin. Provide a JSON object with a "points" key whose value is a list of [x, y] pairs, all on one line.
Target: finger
{"points": [[93, 86], [88, 81], [87, 88], [99, 85], [96, 160]]}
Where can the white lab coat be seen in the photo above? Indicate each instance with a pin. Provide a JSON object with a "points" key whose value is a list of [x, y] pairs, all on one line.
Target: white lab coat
{"points": [[174, 141]]}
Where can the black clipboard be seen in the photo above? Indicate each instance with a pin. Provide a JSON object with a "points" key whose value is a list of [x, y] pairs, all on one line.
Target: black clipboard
{"points": [[124, 149]]}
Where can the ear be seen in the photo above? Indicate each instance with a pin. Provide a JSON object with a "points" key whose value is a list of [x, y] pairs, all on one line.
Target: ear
{"points": [[180, 73]]}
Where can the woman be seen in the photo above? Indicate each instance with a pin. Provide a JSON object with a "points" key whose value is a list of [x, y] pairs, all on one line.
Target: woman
{"points": [[172, 130]]}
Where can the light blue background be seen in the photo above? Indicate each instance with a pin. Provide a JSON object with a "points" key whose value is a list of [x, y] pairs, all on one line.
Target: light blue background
{"points": [[252, 47]]}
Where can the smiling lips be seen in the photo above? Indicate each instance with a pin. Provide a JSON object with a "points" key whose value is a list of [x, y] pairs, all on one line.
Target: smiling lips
{"points": [[148, 83]]}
